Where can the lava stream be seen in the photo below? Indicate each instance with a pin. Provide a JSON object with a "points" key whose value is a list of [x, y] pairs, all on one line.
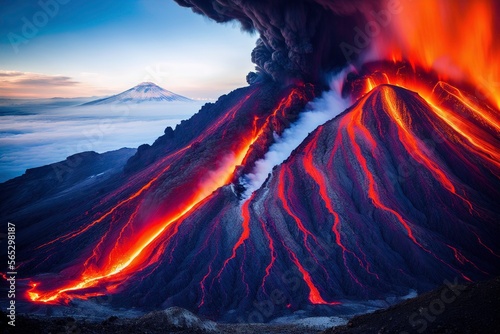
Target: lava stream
{"points": [[245, 234], [350, 124], [316, 175], [125, 260], [314, 294]]}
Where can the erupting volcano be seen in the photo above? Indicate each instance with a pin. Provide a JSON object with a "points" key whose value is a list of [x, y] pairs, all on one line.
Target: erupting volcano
{"points": [[397, 192]]}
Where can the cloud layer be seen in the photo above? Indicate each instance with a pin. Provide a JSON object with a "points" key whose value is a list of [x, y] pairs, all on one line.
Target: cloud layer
{"points": [[33, 85], [33, 134]]}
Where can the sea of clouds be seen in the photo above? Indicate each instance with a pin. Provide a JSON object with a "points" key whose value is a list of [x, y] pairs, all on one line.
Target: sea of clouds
{"points": [[34, 133]]}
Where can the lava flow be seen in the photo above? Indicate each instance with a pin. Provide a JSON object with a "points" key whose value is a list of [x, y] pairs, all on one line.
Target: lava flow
{"points": [[458, 40], [127, 255], [316, 235]]}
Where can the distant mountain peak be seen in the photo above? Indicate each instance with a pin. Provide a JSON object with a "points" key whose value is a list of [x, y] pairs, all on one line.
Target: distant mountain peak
{"points": [[147, 83], [143, 92]]}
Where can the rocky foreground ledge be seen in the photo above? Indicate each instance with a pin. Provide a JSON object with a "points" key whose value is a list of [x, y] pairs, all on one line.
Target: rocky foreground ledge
{"points": [[452, 308]]}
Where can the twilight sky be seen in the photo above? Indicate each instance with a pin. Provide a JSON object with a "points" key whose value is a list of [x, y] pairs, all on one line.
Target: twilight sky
{"points": [[102, 47]]}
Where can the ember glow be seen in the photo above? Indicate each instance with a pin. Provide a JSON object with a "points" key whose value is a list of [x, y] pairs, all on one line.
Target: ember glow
{"points": [[457, 39], [440, 96], [108, 266], [404, 180]]}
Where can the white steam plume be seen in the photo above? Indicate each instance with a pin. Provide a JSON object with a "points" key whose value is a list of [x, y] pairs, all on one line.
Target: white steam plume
{"points": [[322, 109]]}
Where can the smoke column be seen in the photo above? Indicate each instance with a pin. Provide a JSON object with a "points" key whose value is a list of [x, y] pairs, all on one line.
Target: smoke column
{"points": [[299, 39], [319, 111]]}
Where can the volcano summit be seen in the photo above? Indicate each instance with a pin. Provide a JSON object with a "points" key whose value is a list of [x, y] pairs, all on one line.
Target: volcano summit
{"points": [[397, 183]]}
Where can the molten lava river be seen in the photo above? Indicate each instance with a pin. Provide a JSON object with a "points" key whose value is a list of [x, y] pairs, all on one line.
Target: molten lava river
{"points": [[395, 194]]}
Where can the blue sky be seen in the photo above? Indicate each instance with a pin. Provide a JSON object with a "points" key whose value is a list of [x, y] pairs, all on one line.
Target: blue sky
{"points": [[85, 48]]}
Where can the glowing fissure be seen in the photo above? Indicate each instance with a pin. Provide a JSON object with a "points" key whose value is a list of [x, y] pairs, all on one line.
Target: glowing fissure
{"points": [[283, 198], [484, 245], [349, 123], [272, 251], [209, 272], [490, 117], [283, 105], [316, 175], [314, 294], [462, 259], [469, 29], [413, 145], [410, 142], [228, 116], [338, 140], [105, 215], [485, 149], [245, 234], [127, 259]]}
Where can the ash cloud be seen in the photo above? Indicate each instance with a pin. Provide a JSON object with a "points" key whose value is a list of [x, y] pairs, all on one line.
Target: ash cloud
{"points": [[298, 38]]}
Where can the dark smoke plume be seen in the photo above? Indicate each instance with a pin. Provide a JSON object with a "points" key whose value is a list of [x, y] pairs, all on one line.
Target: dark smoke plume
{"points": [[298, 38]]}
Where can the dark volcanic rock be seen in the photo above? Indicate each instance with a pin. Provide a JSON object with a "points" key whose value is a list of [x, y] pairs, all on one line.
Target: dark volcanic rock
{"points": [[452, 308], [468, 308], [79, 170], [388, 197], [357, 212], [172, 320]]}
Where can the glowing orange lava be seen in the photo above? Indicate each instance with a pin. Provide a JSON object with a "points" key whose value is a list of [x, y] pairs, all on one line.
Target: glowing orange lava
{"points": [[459, 39], [245, 234], [273, 253], [351, 124], [104, 272], [283, 197], [124, 259], [320, 181], [314, 294]]}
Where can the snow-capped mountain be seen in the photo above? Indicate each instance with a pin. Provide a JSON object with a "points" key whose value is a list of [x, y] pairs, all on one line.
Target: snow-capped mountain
{"points": [[143, 92]]}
